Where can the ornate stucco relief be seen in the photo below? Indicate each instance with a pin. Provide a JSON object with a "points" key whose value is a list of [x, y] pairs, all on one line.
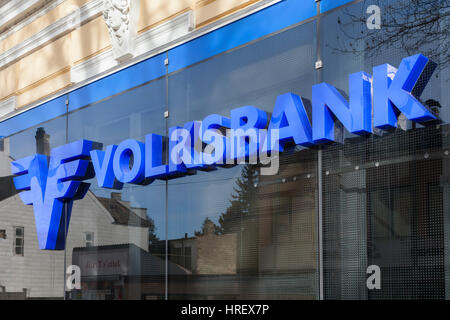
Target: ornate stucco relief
{"points": [[121, 19]]}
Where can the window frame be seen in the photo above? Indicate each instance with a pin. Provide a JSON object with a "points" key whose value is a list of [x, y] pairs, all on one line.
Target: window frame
{"points": [[89, 243], [21, 237]]}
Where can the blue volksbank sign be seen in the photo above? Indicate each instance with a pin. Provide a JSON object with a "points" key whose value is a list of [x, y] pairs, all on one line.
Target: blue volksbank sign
{"points": [[375, 101]]}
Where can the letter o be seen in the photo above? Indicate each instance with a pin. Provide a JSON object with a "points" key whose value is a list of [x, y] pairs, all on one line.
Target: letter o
{"points": [[121, 162]]}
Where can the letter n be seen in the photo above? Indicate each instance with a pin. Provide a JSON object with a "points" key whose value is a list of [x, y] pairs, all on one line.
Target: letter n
{"points": [[329, 105]]}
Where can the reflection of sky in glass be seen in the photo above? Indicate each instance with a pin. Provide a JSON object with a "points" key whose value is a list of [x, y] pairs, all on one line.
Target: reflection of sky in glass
{"points": [[132, 114], [343, 26], [192, 199], [23, 144]]}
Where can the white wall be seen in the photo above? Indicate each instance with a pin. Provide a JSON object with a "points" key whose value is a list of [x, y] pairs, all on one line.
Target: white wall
{"points": [[42, 272]]}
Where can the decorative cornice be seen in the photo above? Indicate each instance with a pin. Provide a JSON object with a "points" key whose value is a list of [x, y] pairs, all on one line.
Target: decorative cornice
{"points": [[26, 21], [121, 18], [93, 66], [165, 33], [64, 25], [7, 106], [145, 42], [14, 8]]}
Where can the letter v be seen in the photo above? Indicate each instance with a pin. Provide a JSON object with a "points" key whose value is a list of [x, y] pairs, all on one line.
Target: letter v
{"points": [[103, 166]]}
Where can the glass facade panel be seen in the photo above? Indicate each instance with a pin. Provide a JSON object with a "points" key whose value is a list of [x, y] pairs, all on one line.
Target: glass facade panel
{"points": [[245, 229], [115, 236], [384, 195]]}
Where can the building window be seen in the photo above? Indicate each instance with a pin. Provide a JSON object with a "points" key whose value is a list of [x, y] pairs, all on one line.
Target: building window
{"points": [[89, 239], [2, 234], [18, 241]]}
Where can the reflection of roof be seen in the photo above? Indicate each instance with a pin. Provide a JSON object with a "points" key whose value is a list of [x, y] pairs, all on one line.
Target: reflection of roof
{"points": [[140, 262], [117, 209], [5, 163], [122, 214], [182, 239]]}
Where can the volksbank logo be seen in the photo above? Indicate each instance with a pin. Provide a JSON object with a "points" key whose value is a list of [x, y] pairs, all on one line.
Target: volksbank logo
{"points": [[374, 102], [52, 187]]}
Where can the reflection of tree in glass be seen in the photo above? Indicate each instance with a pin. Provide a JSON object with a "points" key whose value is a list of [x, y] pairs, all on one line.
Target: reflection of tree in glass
{"points": [[208, 228], [152, 237], [240, 204], [156, 246], [240, 218], [415, 26]]}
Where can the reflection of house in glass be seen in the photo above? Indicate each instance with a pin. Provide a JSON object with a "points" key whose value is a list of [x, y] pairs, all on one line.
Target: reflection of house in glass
{"points": [[27, 271], [128, 272], [121, 272], [213, 261], [205, 254]]}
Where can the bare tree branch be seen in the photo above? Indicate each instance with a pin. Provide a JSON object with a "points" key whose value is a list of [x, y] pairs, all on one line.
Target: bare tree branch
{"points": [[415, 26]]}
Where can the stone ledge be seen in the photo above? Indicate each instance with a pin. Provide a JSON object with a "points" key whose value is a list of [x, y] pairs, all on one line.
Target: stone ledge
{"points": [[63, 26], [8, 106]]}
